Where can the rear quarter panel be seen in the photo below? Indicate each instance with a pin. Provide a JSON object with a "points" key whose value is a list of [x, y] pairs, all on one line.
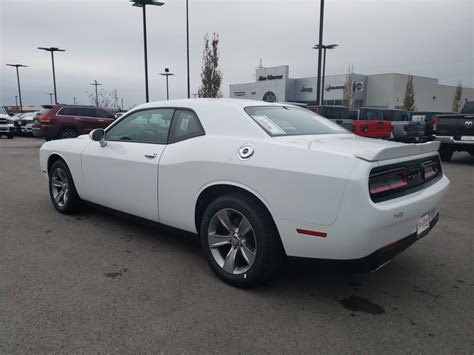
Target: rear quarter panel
{"points": [[295, 183]]}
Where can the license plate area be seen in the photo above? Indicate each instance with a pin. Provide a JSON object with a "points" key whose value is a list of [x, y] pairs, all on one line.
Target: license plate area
{"points": [[423, 224]]}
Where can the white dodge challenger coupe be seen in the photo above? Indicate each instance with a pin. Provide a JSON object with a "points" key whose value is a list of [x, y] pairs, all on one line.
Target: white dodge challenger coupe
{"points": [[257, 181]]}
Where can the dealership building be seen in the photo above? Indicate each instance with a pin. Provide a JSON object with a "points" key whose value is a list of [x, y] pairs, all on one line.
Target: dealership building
{"points": [[273, 84]]}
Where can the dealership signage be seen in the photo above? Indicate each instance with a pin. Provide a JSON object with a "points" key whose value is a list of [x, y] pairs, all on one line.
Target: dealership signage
{"points": [[269, 77], [334, 87], [303, 89]]}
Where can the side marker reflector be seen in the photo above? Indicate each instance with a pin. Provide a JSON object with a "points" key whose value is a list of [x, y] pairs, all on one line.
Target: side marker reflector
{"points": [[311, 233]]}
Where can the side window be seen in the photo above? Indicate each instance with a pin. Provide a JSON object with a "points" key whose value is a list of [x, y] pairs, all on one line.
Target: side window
{"points": [[66, 111], [185, 125], [102, 114], [147, 126]]}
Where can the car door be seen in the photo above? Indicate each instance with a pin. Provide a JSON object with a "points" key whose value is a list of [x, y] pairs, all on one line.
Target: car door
{"points": [[179, 166], [123, 174]]}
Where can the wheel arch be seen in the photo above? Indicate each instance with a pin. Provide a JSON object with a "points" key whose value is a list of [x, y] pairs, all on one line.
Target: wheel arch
{"points": [[212, 191], [54, 157]]}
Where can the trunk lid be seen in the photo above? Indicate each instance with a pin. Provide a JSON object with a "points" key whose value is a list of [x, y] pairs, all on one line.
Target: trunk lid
{"points": [[363, 148]]}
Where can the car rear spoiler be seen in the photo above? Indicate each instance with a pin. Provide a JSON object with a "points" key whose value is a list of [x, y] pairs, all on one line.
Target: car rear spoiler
{"points": [[399, 151]]}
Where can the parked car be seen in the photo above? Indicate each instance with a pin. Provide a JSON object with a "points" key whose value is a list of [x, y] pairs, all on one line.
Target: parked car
{"points": [[455, 131], [16, 123], [338, 114], [258, 181], [403, 129], [368, 122], [26, 121], [428, 118], [6, 124], [69, 121]]}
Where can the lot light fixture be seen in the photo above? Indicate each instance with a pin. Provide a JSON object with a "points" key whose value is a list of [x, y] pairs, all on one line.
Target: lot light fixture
{"points": [[167, 74], [52, 50], [142, 4], [18, 81], [324, 47]]}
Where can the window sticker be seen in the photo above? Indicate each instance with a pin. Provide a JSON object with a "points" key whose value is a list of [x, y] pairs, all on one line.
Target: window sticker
{"points": [[268, 125]]}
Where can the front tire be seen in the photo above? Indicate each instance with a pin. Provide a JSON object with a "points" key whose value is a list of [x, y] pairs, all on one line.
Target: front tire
{"points": [[240, 240], [445, 153], [62, 190]]}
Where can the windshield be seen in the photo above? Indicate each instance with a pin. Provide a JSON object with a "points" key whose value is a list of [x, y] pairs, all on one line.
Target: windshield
{"points": [[291, 121]]}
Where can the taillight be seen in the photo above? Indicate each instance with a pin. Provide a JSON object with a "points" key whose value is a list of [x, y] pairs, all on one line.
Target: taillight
{"points": [[435, 124], [431, 169], [388, 181], [45, 119]]}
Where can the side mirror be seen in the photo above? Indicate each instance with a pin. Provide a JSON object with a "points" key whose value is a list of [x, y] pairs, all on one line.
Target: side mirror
{"points": [[98, 135]]}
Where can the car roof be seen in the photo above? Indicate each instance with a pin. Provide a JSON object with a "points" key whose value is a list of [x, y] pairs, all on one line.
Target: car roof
{"points": [[222, 117], [209, 102]]}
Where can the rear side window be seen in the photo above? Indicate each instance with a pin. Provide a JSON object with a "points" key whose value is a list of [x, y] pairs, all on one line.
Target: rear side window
{"points": [[185, 125], [67, 111], [290, 121]]}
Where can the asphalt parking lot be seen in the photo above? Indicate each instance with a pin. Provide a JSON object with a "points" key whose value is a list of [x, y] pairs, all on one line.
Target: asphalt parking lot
{"points": [[98, 282]]}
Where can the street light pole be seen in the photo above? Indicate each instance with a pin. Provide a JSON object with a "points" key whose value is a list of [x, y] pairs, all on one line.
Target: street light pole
{"points": [[321, 19], [50, 97], [18, 81], [96, 84], [74, 99], [187, 47], [16, 103], [142, 4], [52, 50], [324, 47], [167, 74]]}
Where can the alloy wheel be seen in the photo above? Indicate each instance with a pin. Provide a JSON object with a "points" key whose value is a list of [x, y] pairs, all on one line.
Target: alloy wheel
{"points": [[232, 241], [60, 187]]}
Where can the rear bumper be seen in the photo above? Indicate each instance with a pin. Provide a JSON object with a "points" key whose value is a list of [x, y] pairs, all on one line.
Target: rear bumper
{"points": [[451, 140], [362, 227], [388, 252], [49, 132]]}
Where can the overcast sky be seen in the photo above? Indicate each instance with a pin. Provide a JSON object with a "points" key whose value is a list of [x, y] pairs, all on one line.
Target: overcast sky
{"points": [[103, 41]]}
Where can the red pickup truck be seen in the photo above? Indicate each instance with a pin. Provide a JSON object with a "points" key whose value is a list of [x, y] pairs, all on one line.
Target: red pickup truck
{"points": [[368, 122], [69, 121]]}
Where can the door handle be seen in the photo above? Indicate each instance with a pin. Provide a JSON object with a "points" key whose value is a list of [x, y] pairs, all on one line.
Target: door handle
{"points": [[151, 156]]}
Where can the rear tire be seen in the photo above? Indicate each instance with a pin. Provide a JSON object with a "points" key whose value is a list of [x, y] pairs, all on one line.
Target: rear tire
{"points": [[445, 153], [67, 133], [62, 191], [240, 240]]}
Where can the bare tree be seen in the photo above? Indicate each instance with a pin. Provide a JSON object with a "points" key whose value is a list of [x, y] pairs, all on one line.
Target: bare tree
{"points": [[409, 99], [211, 76], [347, 89], [457, 97], [106, 99]]}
